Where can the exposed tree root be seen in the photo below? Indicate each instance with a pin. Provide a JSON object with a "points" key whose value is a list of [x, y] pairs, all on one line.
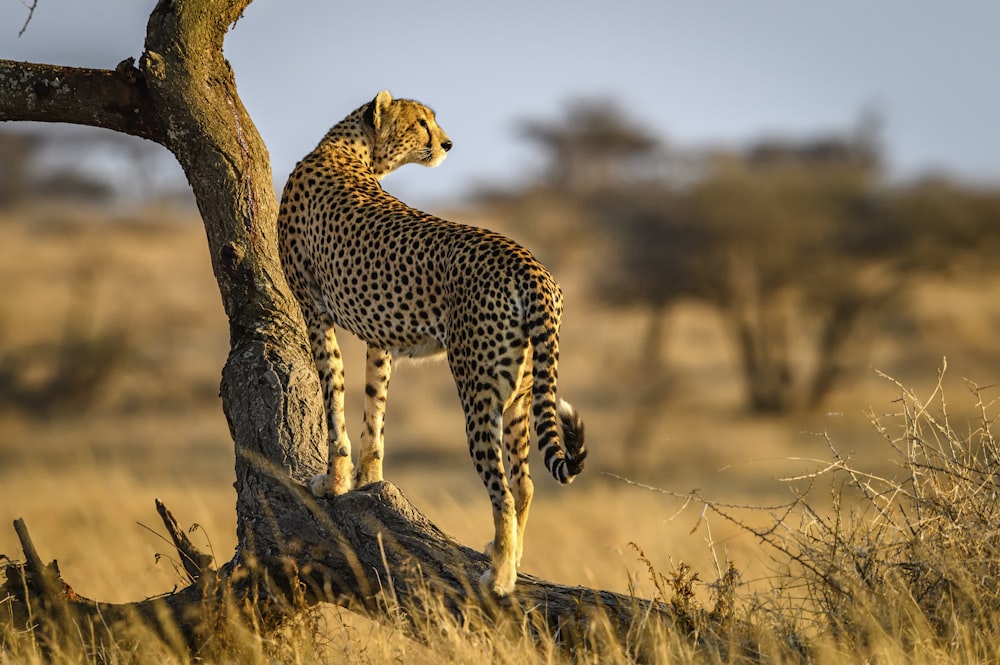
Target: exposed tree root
{"points": [[370, 550]]}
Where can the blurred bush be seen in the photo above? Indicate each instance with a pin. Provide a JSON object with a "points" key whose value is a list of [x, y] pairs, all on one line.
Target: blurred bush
{"points": [[70, 372], [795, 243], [84, 164]]}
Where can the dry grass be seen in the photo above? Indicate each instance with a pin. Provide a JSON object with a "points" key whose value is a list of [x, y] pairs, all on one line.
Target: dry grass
{"points": [[887, 557]]}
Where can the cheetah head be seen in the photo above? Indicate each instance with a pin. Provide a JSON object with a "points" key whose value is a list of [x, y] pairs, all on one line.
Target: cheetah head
{"points": [[404, 132]]}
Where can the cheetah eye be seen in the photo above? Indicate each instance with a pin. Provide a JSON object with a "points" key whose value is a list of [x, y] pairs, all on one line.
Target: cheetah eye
{"points": [[423, 123]]}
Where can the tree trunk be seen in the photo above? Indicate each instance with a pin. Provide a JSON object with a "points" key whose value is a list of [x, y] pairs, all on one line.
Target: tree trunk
{"points": [[650, 391], [293, 550], [757, 316]]}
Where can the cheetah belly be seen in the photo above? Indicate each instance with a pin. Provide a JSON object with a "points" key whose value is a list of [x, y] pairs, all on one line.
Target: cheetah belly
{"points": [[417, 342], [427, 348]]}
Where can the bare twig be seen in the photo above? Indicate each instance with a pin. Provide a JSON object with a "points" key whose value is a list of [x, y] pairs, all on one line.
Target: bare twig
{"points": [[31, 12], [695, 495]]}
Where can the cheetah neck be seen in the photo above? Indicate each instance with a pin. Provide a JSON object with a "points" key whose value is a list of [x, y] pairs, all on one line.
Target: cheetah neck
{"points": [[350, 147]]}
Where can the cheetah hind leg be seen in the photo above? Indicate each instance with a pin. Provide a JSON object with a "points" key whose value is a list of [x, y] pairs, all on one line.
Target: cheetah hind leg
{"points": [[502, 550], [516, 442], [501, 576], [378, 368]]}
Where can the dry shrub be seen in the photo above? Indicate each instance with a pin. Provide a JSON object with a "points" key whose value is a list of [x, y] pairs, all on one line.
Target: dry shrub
{"points": [[880, 569], [899, 569]]}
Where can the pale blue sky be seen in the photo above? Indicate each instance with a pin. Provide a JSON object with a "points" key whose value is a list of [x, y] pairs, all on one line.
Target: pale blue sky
{"points": [[699, 72]]}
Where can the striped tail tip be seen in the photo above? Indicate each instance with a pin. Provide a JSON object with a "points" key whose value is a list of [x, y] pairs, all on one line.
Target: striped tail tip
{"points": [[572, 436]]}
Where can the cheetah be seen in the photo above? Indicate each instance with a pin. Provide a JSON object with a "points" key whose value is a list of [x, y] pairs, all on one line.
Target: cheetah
{"points": [[412, 285]]}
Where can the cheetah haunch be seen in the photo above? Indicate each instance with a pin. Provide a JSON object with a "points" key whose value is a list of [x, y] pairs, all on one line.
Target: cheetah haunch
{"points": [[412, 285]]}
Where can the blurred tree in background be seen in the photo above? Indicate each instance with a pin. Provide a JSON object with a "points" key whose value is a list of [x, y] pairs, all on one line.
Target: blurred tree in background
{"points": [[594, 146], [793, 243], [16, 150]]}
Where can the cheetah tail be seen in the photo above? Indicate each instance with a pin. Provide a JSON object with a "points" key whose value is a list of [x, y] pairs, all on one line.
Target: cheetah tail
{"points": [[558, 427]]}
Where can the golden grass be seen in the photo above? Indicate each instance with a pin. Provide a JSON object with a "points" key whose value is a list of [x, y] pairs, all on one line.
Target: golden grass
{"points": [[84, 476]]}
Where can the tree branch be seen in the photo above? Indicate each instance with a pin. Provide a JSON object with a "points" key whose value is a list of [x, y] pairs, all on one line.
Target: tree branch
{"points": [[116, 100]]}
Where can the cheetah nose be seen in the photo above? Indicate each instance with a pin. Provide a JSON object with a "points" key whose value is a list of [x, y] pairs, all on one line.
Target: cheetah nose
{"points": [[446, 145]]}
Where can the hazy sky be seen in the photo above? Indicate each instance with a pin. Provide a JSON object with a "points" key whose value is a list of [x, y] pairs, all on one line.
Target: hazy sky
{"points": [[699, 72]]}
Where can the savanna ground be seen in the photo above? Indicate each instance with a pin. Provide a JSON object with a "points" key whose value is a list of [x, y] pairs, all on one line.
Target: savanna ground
{"points": [[112, 338]]}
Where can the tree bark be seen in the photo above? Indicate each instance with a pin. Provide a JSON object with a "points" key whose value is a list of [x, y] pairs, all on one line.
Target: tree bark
{"points": [[293, 550]]}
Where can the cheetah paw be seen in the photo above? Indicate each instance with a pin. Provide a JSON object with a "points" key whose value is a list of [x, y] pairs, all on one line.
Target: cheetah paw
{"points": [[322, 485], [499, 585]]}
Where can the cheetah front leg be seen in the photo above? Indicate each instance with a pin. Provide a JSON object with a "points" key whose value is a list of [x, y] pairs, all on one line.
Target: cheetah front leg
{"points": [[378, 369], [330, 366]]}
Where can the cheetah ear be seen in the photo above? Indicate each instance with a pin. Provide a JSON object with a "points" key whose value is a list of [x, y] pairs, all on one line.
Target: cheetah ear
{"points": [[378, 106]]}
